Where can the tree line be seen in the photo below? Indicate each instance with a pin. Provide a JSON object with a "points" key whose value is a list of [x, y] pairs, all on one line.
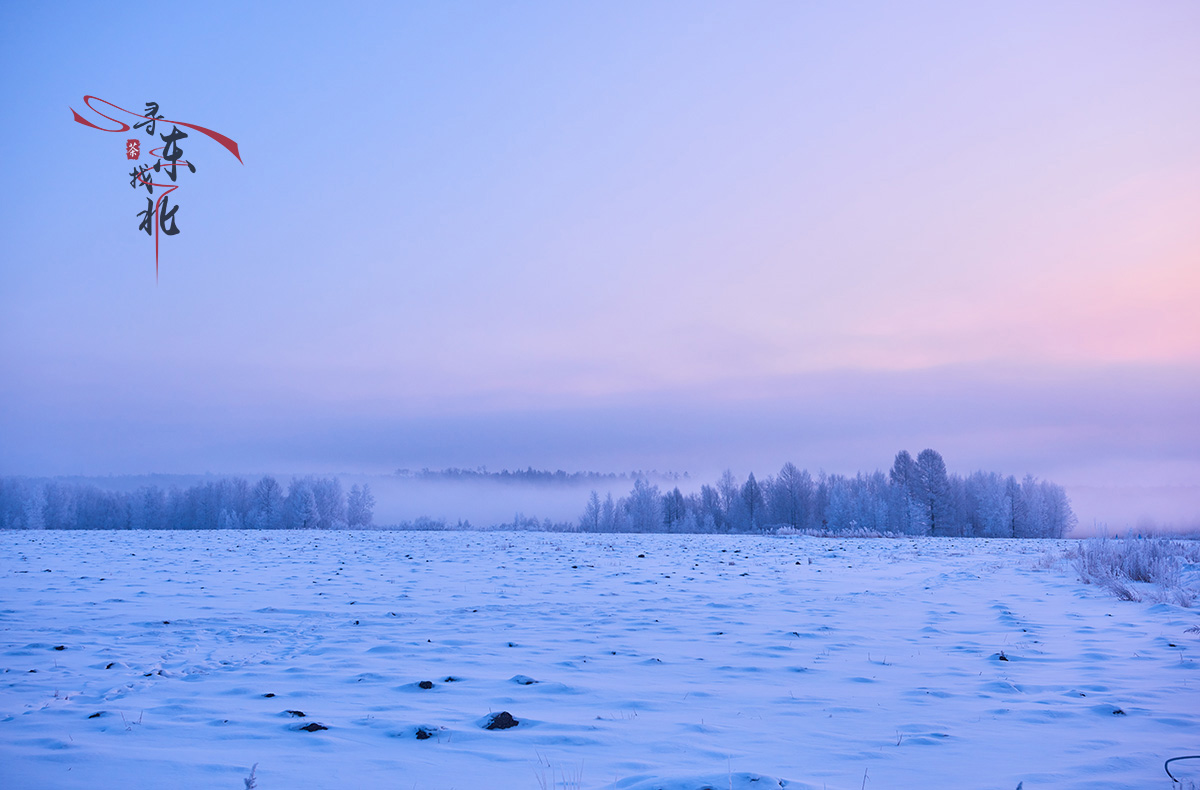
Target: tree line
{"points": [[231, 503], [531, 475], [916, 497]]}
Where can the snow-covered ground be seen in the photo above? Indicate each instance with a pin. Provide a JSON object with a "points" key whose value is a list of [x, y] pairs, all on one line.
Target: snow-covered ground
{"points": [[139, 660]]}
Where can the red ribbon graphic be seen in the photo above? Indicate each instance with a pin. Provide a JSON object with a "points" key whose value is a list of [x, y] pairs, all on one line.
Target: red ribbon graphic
{"points": [[229, 145]]}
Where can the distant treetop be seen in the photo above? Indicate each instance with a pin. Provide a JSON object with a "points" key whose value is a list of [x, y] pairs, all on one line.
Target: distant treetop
{"points": [[539, 476]]}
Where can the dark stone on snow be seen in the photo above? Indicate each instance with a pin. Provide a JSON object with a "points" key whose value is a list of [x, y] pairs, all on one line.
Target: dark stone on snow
{"points": [[1118, 712], [96, 715], [451, 679], [423, 734], [299, 714], [269, 694], [502, 721], [426, 684], [313, 727], [111, 664], [60, 647]]}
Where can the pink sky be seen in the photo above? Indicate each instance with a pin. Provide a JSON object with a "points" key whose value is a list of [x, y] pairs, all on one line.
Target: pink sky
{"points": [[604, 218]]}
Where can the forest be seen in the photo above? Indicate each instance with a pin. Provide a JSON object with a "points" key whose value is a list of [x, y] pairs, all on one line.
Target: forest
{"points": [[231, 503], [531, 476], [916, 497]]}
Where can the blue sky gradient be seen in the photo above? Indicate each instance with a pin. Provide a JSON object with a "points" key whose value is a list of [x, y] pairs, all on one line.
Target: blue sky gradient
{"points": [[609, 236]]}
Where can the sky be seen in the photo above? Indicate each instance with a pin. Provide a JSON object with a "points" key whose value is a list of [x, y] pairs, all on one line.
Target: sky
{"points": [[609, 236]]}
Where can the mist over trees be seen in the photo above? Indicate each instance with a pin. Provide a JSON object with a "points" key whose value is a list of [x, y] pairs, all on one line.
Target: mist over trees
{"points": [[916, 497], [533, 476], [233, 503]]}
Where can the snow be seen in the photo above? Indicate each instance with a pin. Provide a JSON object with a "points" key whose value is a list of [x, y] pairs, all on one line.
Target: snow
{"points": [[712, 661]]}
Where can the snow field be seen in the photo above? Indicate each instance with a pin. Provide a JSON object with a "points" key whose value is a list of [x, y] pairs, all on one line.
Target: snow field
{"points": [[632, 662]]}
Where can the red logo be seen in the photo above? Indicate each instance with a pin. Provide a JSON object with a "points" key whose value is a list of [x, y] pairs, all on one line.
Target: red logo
{"points": [[133, 148]]}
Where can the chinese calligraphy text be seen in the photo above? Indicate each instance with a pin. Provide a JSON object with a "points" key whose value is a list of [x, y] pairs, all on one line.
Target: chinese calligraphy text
{"points": [[159, 215]]}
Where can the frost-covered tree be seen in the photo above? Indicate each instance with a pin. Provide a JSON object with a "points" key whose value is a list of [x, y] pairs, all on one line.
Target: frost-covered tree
{"points": [[728, 489], [985, 505], [33, 508], [789, 497], [643, 507], [821, 498], [590, 520], [230, 519], [674, 509], [360, 506], [1018, 513], [712, 513], [96, 509], [330, 502], [1031, 495], [871, 501], [933, 494], [1044, 509], [610, 518], [14, 509], [58, 506], [148, 509], [266, 504], [903, 480], [751, 503], [300, 507], [1057, 516], [839, 513]]}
